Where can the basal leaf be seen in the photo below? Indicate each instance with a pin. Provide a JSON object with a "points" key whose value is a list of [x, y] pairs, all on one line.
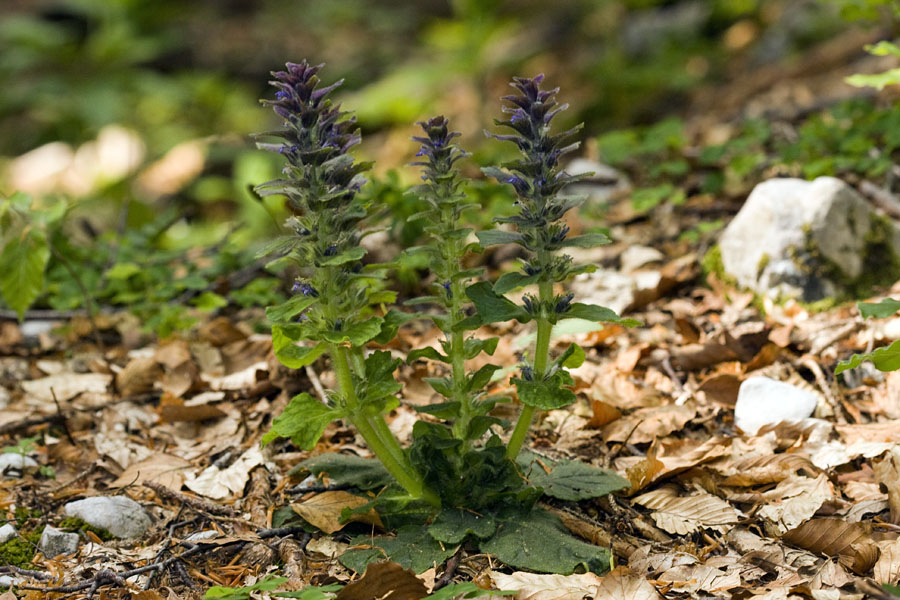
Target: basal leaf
{"points": [[493, 237], [593, 312], [349, 470], [453, 525], [513, 280], [548, 394], [286, 311], [879, 310], [412, 547], [493, 308], [466, 589], [322, 592], [303, 420], [570, 480], [537, 540], [22, 264], [268, 584], [886, 358]]}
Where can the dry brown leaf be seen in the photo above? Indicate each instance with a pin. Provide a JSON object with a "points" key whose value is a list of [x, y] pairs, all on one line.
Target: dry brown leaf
{"points": [[66, 386], [220, 331], [887, 470], [686, 514], [851, 542], [887, 432], [647, 424], [7, 596], [692, 357], [324, 510], [863, 491], [218, 483], [534, 586], [756, 470], [887, 568], [385, 581], [795, 500], [141, 595], [693, 578], [667, 459], [721, 389], [619, 584], [603, 413], [138, 376], [617, 388], [161, 468], [173, 410]]}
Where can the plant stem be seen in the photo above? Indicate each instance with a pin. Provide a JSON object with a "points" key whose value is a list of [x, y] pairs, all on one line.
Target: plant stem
{"points": [[541, 354], [376, 434]]}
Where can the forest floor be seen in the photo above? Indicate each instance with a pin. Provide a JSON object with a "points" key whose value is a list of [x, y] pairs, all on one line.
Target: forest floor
{"points": [[809, 509]]}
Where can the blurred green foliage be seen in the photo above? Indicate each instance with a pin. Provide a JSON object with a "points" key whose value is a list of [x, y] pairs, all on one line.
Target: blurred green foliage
{"points": [[175, 73]]}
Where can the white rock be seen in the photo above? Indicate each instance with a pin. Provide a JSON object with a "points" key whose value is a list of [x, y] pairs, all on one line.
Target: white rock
{"points": [[121, 516], [7, 581], [791, 232], [762, 401], [55, 542], [14, 464], [7, 532], [206, 534]]}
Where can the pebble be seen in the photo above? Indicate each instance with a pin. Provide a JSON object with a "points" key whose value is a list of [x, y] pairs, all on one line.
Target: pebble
{"points": [[122, 517], [55, 542], [7, 532], [13, 464], [762, 401]]}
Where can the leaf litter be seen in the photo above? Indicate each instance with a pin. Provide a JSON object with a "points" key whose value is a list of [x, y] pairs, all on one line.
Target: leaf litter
{"points": [[808, 509]]}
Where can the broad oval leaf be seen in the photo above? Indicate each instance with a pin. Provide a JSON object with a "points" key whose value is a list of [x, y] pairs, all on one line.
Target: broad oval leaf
{"points": [[453, 525], [879, 310], [303, 420], [23, 260], [570, 480], [885, 359]]}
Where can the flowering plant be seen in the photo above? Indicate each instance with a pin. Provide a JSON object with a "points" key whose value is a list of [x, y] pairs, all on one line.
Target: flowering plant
{"points": [[458, 481]]}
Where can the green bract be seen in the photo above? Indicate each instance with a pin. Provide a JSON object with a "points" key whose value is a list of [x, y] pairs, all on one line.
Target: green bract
{"points": [[457, 482]]}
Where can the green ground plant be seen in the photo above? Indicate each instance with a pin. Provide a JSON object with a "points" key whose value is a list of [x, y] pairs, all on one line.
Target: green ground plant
{"points": [[458, 482]]}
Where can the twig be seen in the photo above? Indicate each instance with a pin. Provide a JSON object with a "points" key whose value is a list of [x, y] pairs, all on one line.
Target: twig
{"points": [[449, 570], [39, 575], [195, 503], [317, 385], [62, 419], [881, 197]]}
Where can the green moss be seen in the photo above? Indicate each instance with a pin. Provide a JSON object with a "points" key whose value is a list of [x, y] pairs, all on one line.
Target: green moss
{"points": [[711, 263], [20, 552], [763, 263], [22, 515], [76, 524]]}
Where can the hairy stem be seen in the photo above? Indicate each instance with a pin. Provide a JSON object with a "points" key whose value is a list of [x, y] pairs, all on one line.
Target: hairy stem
{"points": [[541, 355], [376, 434]]}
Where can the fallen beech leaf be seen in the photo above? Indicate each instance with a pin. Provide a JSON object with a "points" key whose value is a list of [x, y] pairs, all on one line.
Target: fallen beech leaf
{"points": [[721, 389], [534, 586], [693, 578], [667, 459], [887, 568], [173, 410], [66, 386], [851, 542], [757, 470], [324, 510], [220, 331], [686, 514], [887, 471], [161, 468], [138, 376], [692, 357], [795, 500], [385, 581], [603, 413], [218, 483], [619, 584], [646, 424]]}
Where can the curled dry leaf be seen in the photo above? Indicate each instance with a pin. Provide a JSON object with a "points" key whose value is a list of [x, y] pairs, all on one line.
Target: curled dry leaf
{"points": [[324, 510], [721, 389], [619, 584], [386, 581], [887, 568], [686, 514], [694, 578], [667, 459], [850, 542], [165, 469], [887, 470], [757, 470], [138, 376], [218, 483], [795, 500], [534, 586]]}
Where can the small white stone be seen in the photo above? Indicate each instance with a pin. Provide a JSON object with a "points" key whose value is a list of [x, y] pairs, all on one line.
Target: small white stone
{"points": [[206, 534], [14, 464], [762, 401], [121, 516], [7, 532], [7, 581], [55, 542]]}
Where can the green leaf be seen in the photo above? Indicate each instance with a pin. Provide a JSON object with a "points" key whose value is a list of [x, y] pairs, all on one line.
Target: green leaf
{"points": [[481, 377], [412, 547], [218, 592], [572, 358], [893, 589], [538, 541], [290, 354], [568, 479], [393, 320], [453, 525], [349, 470], [441, 410], [209, 301], [474, 346], [22, 264], [493, 308], [493, 237], [283, 313], [548, 394], [588, 240], [379, 381], [357, 334], [886, 358], [513, 280], [878, 81], [344, 257], [593, 312], [122, 271], [466, 589], [883, 48], [427, 352], [303, 420], [322, 592], [442, 385], [881, 310]]}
